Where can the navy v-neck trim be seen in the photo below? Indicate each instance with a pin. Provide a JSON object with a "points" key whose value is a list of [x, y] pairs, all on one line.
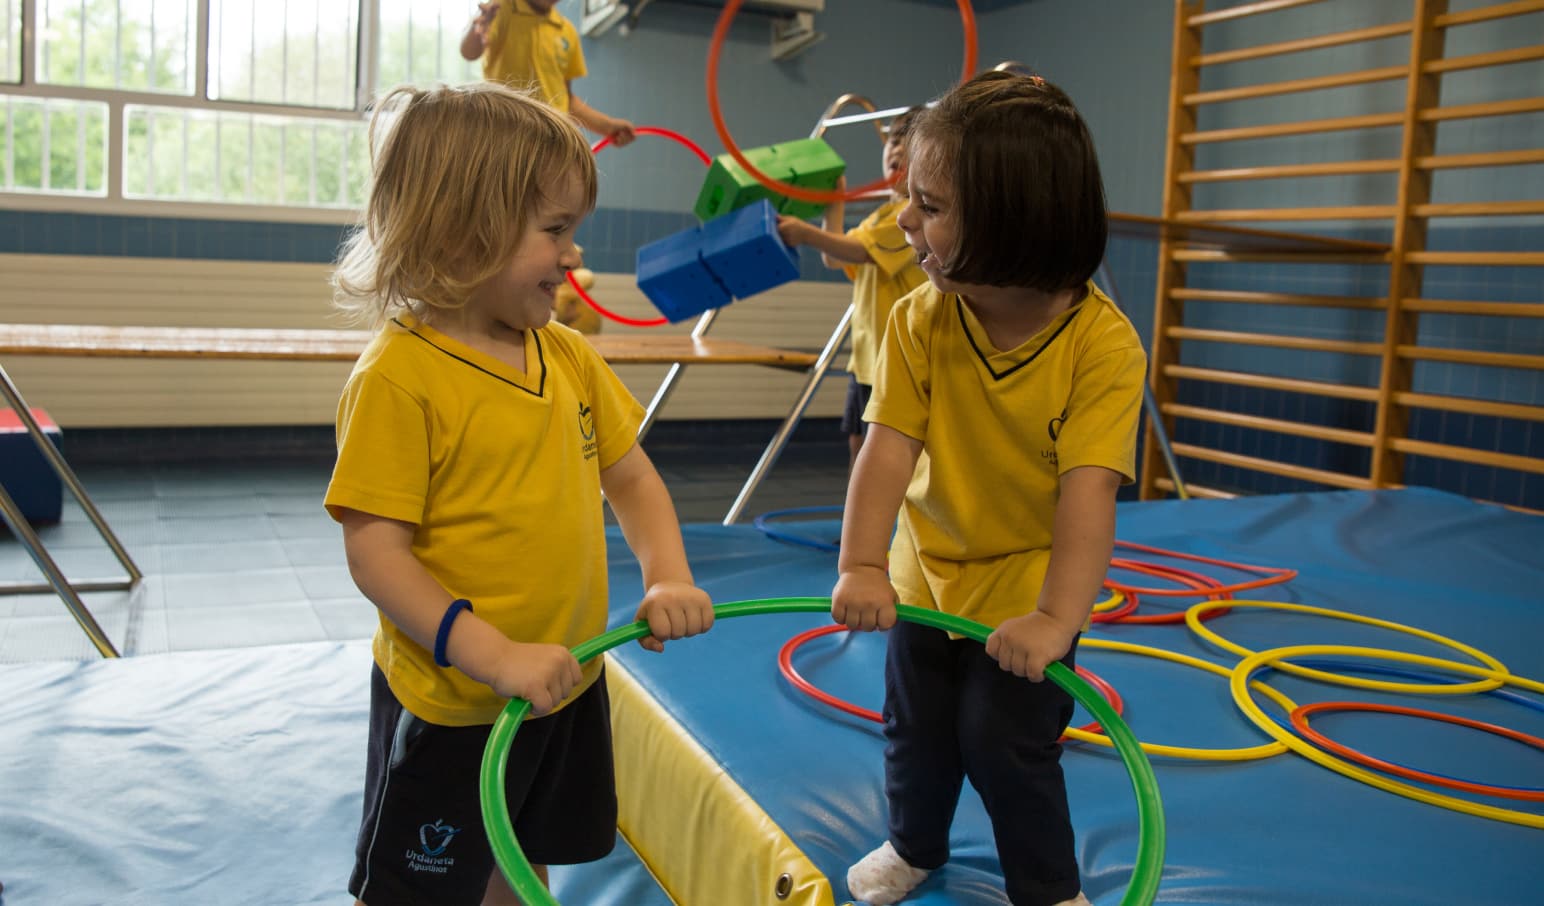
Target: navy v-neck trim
{"points": [[959, 309], [541, 360]]}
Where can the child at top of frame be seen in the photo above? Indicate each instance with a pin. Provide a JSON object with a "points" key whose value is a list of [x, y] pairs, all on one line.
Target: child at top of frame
{"points": [[881, 266], [475, 439], [529, 44], [1004, 417]]}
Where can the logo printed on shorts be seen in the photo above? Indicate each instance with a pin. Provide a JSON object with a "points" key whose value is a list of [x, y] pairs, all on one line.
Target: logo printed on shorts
{"points": [[434, 839]]}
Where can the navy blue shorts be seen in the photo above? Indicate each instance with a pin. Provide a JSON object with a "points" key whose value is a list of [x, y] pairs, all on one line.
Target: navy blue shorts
{"points": [[422, 840], [852, 414]]}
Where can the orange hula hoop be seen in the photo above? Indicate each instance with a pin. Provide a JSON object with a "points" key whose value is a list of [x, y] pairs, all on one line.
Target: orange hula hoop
{"points": [[715, 50]]}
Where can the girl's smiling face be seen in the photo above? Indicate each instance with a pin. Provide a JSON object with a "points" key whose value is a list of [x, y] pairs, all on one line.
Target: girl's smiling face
{"points": [[930, 219]]}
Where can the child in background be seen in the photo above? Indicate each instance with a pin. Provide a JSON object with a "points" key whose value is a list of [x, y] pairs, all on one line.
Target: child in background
{"points": [[529, 44], [1003, 421], [881, 266], [475, 440]]}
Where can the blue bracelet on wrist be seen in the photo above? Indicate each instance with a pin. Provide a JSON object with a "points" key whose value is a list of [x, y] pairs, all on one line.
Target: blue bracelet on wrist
{"points": [[443, 636]]}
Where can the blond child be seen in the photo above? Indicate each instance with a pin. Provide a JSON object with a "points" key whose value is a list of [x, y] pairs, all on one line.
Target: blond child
{"points": [[475, 441], [877, 260], [529, 44], [1003, 420]]}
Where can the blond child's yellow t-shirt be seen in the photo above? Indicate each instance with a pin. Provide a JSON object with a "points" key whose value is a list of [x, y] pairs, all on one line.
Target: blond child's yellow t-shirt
{"points": [[877, 285], [999, 427], [499, 472], [525, 49]]}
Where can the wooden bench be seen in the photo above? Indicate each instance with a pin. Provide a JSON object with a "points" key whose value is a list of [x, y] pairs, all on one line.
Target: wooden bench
{"points": [[323, 345]]}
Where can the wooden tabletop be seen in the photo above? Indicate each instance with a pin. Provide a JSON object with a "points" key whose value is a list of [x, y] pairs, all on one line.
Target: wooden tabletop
{"points": [[343, 345]]}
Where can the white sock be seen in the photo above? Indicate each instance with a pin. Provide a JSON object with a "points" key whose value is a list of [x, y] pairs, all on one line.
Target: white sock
{"points": [[882, 877]]}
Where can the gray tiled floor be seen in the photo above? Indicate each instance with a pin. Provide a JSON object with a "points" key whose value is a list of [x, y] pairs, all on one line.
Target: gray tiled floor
{"points": [[242, 554]]}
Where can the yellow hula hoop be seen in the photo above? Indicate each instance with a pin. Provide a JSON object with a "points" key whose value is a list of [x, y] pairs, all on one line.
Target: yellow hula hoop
{"points": [[1494, 669], [1239, 683], [1251, 753], [1115, 600]]}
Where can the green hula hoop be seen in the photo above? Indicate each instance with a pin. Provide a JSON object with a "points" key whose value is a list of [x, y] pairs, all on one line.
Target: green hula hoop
{"points": [[1146, 874]]}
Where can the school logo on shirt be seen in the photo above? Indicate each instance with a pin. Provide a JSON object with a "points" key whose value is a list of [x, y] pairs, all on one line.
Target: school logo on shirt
{"points": [[433, 840], [587, 430], [563, 43], [1053, 428]]}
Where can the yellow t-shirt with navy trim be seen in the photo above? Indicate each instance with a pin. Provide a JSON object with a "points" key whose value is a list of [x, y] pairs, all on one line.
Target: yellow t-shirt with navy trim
{"points": [[500, 473], [525, 49], [876, 286], [999, 427]]}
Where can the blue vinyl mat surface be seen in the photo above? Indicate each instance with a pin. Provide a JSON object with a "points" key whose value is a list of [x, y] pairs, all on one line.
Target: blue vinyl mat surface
{"points": [[234, 776], [1276, 831]]}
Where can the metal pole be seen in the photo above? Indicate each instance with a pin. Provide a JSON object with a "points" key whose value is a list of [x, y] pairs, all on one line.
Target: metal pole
{"points": [[668, 385], [65, 473], [780, 440], [20, 527]]}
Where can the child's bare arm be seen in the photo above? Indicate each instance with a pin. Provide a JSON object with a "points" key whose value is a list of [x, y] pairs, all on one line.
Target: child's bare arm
{"points": [[620, 131], [381, 560], [863, 597], [1083, 537], [674, 606], [474, 42]]}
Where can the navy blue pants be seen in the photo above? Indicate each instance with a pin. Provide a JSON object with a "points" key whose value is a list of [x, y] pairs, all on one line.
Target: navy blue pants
{"points": [[951, 713]]}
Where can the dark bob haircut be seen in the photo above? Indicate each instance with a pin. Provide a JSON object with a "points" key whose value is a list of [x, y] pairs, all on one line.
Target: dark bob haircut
{"points": [[1025, 178]]}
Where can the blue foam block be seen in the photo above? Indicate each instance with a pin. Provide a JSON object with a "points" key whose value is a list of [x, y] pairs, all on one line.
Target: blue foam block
{"points": [[25, 473], [672, 274], [743, 249]]}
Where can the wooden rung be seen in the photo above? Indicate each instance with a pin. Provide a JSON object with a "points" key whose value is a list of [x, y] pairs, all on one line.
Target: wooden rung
{"points": [[1247, 9], [1194, 490], [1226, 256], [1334, 39], [1288, 171], [1479, 209], [1488, 13], [1317, 83], [1311, 344], [1459, 307], [1481, 60], [1262, 298], [1500, 259], [1224, 236], [1299, 127], [1286, 470], [1476, 111], [1276, 425], [1351, 212], [1480, 159], [1267, 382], [1470, 406], [1471, 357], [1469, 454]]}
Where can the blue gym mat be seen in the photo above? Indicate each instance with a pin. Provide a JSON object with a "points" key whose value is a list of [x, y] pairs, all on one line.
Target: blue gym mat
{"points": [[1277, 831], [233, 776]]}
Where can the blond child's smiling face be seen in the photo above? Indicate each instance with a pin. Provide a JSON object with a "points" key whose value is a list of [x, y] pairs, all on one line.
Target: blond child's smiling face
{"points": [[522, 294]]}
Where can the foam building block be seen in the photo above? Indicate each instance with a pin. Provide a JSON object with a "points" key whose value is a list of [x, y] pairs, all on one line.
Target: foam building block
{"points": [[731, 257], [25, 473], [809, 163]]}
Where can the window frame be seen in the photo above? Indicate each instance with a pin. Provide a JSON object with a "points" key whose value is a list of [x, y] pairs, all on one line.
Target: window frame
{"points": [[116, 100]]}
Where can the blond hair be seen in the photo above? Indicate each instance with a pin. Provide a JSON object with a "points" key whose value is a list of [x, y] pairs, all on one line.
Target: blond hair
{"points": [[456, 174]]}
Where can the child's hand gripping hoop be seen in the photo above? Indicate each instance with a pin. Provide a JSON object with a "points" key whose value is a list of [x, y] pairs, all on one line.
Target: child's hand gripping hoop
{"points": [[1148, 866]]}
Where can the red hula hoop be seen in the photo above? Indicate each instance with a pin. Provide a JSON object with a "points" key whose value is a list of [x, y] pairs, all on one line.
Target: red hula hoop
{"points": [[707, 161], [790, 673], [715, 50]]}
